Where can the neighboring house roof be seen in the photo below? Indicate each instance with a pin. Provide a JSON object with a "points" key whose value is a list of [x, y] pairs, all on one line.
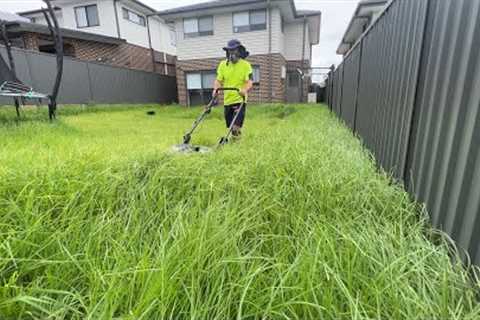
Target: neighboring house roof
{"points": [[7, 16], [308, 13], [141, 4], [22, 27], [362, 18], [145, 9], [34, 12], [229, 3]]}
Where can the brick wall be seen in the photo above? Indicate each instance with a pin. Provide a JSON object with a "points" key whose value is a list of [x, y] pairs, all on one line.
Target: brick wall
{"points": [[125, 55], [31, 41], [260, 92]]}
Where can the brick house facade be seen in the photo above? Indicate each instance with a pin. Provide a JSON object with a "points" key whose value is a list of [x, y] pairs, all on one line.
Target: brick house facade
{"points": [[278, 36], [260, 91], [123, 55]]}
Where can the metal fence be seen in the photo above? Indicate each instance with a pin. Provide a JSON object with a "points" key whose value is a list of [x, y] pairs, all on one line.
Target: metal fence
{"points": [[87, 82], [411, 90]]}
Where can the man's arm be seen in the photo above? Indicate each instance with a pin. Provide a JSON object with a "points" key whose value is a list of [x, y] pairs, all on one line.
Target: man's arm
{"points": [[248, 86], [216, 85]]}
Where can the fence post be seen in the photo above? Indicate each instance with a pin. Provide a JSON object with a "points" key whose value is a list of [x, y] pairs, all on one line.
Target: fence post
{"points": [[90, 89], [359, 79], [341, 89], [331, 79], [412, 121]]}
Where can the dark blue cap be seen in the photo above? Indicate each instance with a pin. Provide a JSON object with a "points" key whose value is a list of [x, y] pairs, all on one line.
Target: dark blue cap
{"points": [[232, 45]]}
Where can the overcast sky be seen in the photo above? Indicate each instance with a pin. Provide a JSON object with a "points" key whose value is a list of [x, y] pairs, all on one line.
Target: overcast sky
{"points": [[335, 17]]}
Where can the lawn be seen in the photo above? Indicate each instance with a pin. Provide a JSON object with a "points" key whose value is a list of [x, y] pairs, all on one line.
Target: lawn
{"points": [[98, 220]]}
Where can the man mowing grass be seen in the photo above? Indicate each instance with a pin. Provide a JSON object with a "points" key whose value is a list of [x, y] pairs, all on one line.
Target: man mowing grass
{"points": [[234, 72]]}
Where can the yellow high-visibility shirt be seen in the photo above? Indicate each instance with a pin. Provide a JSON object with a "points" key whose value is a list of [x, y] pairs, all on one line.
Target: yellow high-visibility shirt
{"points": [[234, 75]]}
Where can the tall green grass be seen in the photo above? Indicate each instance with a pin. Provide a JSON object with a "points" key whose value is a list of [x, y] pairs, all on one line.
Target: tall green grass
{"points": [[98, 221]]}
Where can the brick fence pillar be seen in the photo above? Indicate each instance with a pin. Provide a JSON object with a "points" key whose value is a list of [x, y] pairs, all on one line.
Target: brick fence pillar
{"points": [[31, 41]]}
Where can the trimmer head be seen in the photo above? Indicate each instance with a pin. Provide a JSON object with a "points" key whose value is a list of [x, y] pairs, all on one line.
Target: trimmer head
{"points": [[188, 148]]}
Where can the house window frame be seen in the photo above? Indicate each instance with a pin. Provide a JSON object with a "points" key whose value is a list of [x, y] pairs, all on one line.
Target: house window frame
{"points": [[250, 27], [140, 16], [256, 67], [84, 7], [204, 91], [199, 33]]}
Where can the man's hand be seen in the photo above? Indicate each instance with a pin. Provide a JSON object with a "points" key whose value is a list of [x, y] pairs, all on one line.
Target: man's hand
{"points": [[248, 86]]}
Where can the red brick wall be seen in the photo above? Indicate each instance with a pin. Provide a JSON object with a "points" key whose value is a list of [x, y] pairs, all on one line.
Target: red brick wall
{"points": [[259, 94], [124, 55], [31, 41]]}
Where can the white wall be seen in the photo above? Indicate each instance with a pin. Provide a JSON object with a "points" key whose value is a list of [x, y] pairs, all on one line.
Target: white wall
{"points": [[211, 46], [277, 35], [138, 35], [132, 32], [294, 40], [308, 47], [281, 35], [106, 15], [161, 36]]}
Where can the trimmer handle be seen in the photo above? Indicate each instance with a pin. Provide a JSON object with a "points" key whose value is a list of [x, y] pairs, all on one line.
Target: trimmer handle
{"points": [[229, 89]]}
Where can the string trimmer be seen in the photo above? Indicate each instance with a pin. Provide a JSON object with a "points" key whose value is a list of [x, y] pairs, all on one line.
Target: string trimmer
{"points": [[186, 147]]}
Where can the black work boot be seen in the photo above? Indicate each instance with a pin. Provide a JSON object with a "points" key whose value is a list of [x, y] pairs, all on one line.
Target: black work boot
{"points": [[236, 134]]}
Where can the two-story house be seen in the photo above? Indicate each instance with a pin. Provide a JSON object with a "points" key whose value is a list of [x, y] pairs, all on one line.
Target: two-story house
{"points": [[278, 36], [366, 13], [147, 42]]}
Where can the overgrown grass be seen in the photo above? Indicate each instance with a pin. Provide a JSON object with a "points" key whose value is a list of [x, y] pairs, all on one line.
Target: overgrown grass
{"points": [[98, 221]]}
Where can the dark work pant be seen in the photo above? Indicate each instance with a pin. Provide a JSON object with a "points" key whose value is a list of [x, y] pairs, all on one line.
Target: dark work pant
{"points": [[231, 111]]}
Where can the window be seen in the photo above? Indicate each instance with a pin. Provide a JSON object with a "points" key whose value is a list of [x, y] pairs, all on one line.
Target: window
{"points": [[208, 79], [194, 81], [200, 87], [133, 17], [256, 74], [282, 24], [87, 16], [250, 21], [173, 36], [197, 27]]}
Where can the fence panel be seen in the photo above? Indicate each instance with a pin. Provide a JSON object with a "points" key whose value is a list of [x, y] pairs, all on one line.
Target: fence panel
{"points": [[329, 90], [351, 67], [75, 81], [445, 170], [337, 107], [418, 107], [115, 85], [87, 82], [389, 71]]}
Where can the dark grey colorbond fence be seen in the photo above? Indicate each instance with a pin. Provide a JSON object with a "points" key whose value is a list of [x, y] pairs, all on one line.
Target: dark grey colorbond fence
{"points": [[411, 90], [86, 82]]}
